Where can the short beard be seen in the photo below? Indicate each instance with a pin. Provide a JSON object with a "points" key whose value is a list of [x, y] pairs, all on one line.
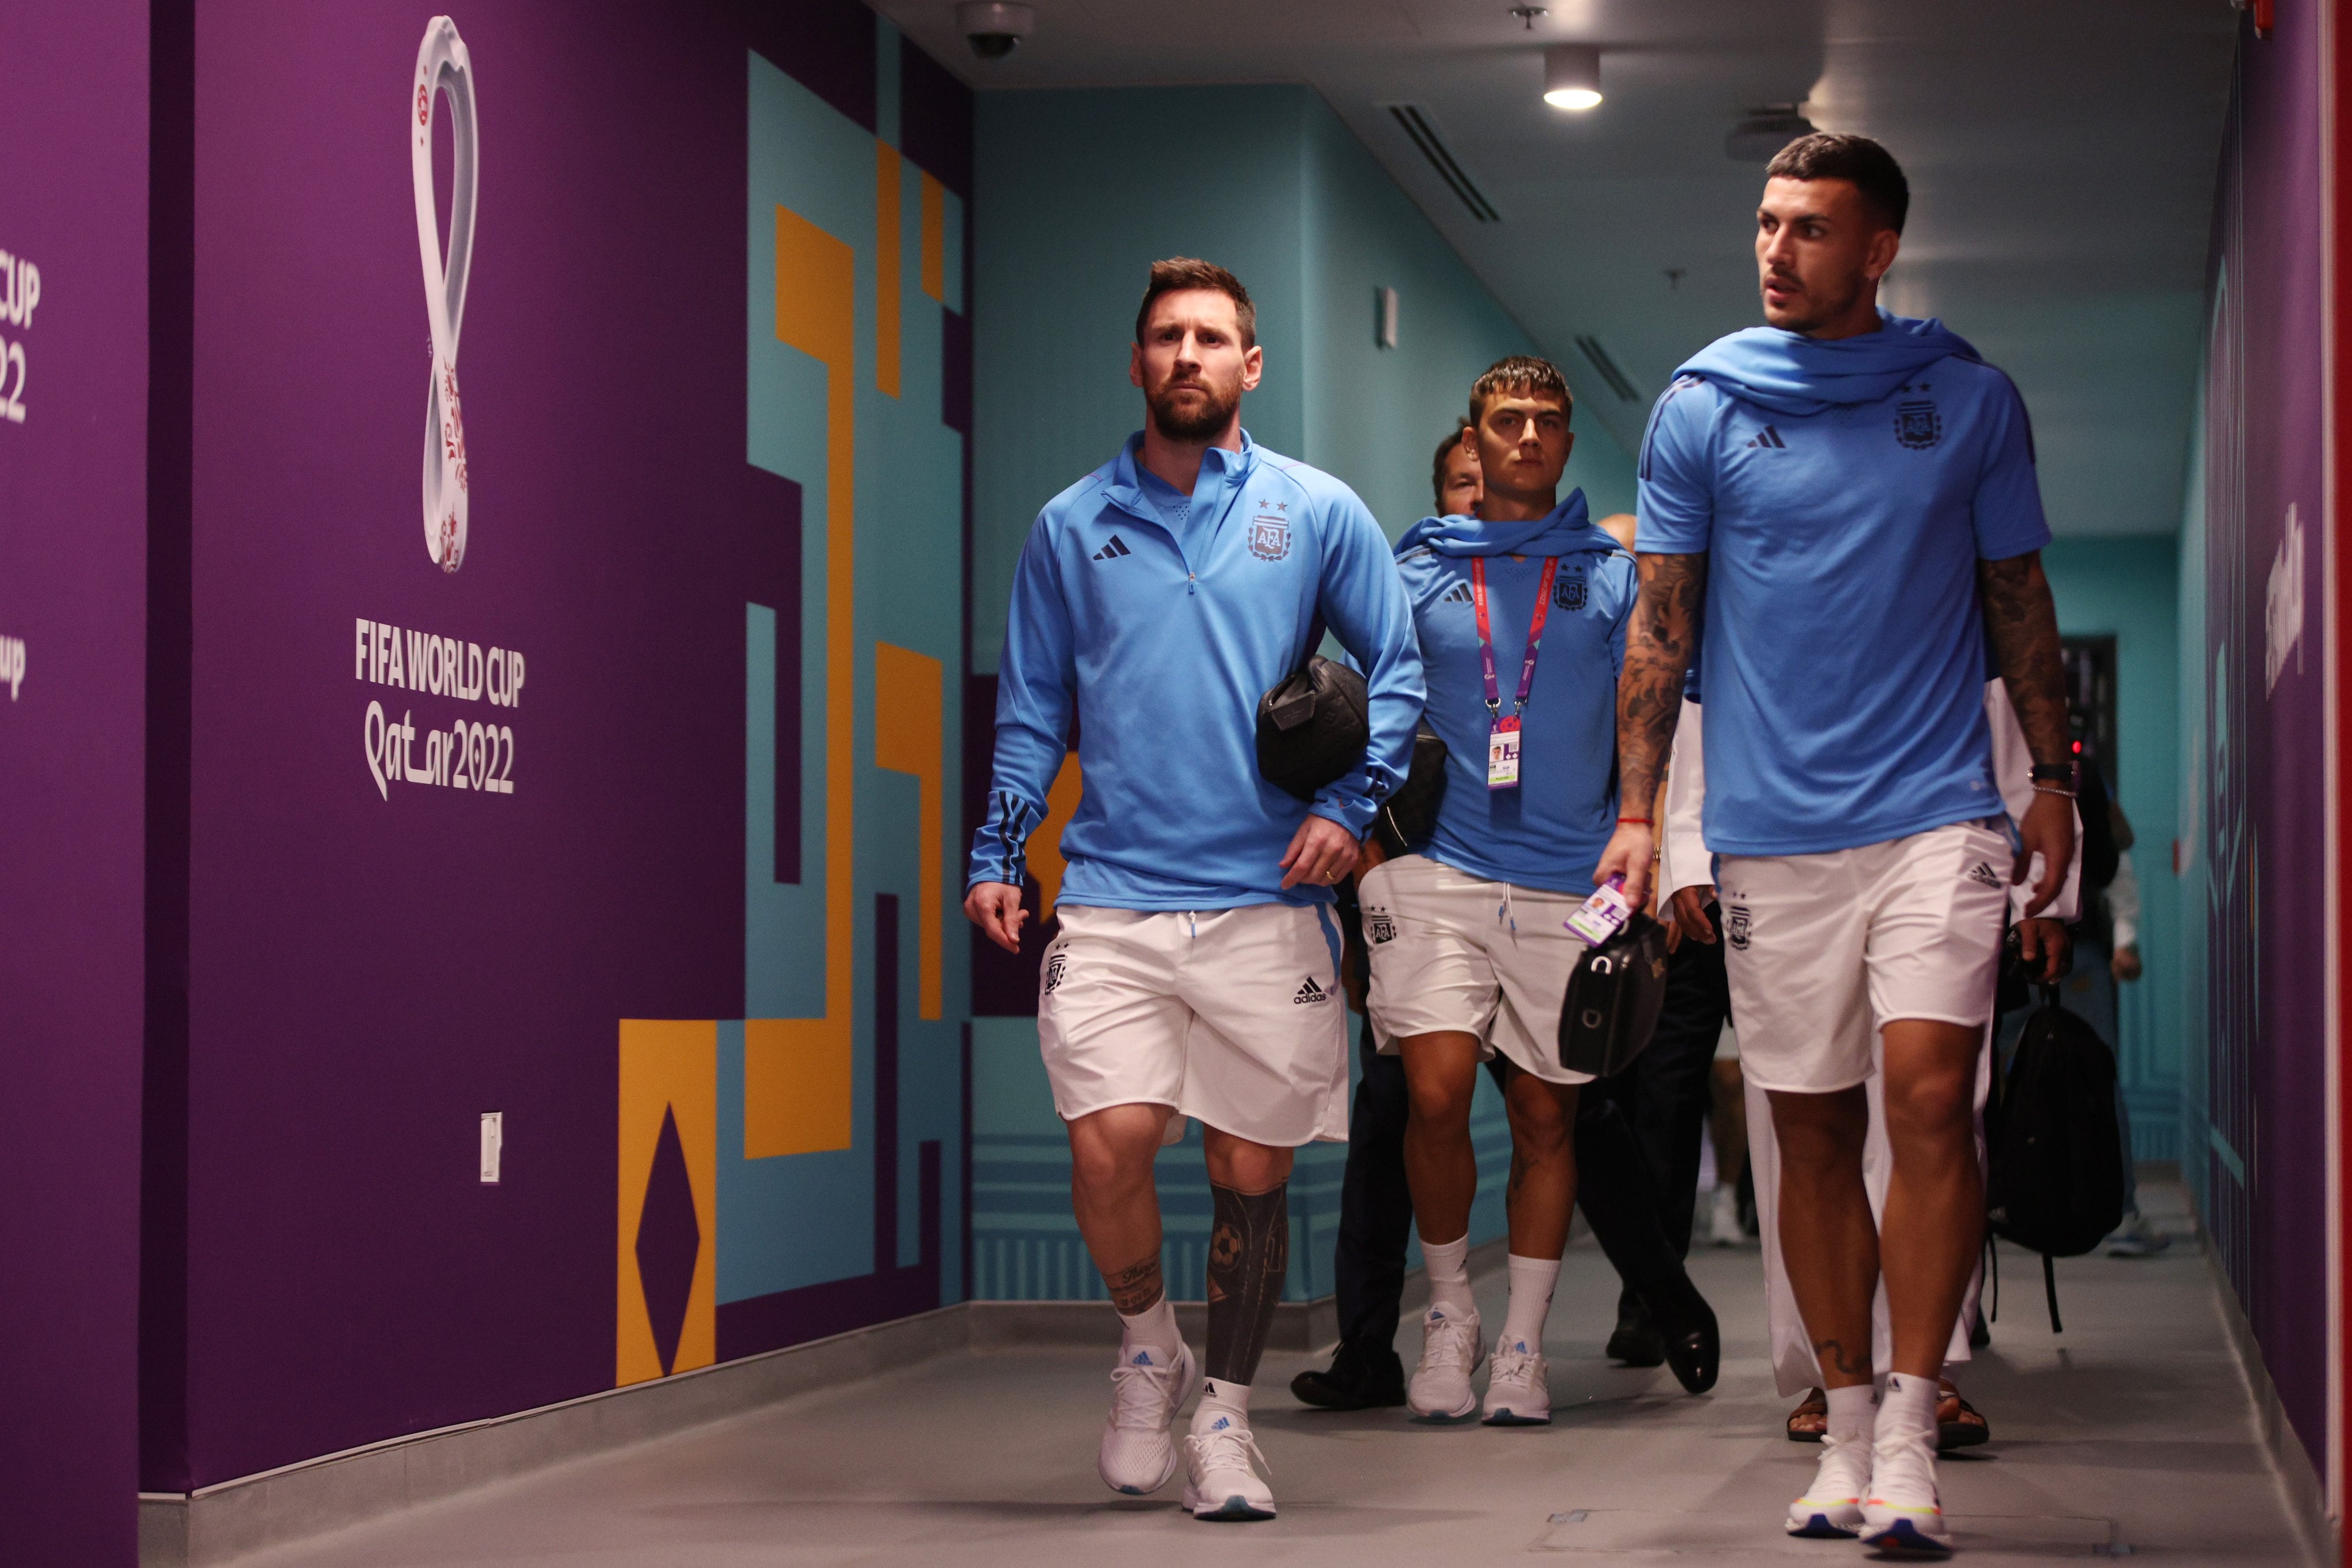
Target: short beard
{"points": [[1174, 424], [1820, 315]]}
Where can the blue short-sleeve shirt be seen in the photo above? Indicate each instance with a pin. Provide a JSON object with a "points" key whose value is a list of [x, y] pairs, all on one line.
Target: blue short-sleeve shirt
{"points": [[1844, 662]]}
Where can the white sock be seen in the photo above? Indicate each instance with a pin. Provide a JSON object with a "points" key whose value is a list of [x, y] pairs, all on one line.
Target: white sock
{"points": [[1853, 1415], [1222, 1403], [1154, 1330], [1907, 1408], [1449, 1277], [1532, 1280]]}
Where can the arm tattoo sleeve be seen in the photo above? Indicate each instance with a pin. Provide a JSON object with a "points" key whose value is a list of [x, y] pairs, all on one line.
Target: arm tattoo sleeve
{"points": [[1659, 642], [2021, 624]]}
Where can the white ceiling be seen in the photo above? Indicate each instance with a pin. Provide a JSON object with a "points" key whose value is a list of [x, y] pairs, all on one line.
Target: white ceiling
{"points": [[2060, 156]]}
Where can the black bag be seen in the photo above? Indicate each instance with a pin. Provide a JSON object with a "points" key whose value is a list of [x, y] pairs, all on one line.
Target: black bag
{"points": [[2055, 1177], [1313, 727], [1407, 818], [1613, 999]]}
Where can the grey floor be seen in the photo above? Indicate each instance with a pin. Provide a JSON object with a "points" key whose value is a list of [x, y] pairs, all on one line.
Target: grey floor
{"points": [[2134, 1431]]}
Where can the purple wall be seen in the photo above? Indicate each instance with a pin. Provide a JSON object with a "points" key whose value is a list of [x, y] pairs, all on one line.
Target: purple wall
{"points": [[2266, 807], [368, 970], [72, 598]]}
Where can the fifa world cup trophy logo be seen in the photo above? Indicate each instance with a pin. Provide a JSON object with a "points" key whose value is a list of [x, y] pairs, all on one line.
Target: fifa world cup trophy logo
{"points": [[443, 69]]}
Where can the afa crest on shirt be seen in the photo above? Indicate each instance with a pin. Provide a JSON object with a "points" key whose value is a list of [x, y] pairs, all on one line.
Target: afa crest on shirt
{"points": [[1270, 531], [1917, 425], [1736, 925], [1057, 968], [1568, 590]]}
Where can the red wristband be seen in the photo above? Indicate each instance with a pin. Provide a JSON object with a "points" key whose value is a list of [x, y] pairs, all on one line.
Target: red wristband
{"points": [[1643, 820]]}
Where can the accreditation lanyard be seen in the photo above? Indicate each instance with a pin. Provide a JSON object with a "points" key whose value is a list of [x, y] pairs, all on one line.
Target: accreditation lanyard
{"points": [[1503, 740]]}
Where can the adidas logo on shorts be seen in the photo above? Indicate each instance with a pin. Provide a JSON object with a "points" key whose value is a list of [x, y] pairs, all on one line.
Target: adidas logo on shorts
{"points": [[1309, 992], [1984, 875]]}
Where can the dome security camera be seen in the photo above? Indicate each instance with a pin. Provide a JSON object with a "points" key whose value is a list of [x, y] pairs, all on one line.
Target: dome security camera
{"points": [[994, 27]]}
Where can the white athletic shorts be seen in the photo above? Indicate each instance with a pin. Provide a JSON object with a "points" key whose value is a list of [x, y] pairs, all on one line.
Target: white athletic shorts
{"points": [[1824, 950], [1234, 1016], [1457, 953]]}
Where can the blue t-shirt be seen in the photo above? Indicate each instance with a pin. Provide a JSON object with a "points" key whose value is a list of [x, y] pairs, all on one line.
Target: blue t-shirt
{"points": [[1550, 831], [1844, 662]]}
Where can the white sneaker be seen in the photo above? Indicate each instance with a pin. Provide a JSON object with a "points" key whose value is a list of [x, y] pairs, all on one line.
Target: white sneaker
{"points": [[1222, 1478], [1451, 1350], [1138, 1456], [1902, 1512], [1517, 1394], [1723, 1226], [1832, 1507]]}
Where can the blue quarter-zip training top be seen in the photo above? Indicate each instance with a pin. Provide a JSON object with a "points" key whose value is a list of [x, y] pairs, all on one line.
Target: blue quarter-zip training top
{"points": [[1160, 641]]}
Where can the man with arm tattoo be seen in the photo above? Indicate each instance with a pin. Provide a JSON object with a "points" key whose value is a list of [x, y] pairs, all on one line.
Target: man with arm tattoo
{"points": [[1845, 501], [1196, 972]]}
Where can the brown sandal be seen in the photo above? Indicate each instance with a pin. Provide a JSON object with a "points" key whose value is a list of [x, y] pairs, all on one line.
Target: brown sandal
{"points": [[1811, 1420], [1958, 1424]]}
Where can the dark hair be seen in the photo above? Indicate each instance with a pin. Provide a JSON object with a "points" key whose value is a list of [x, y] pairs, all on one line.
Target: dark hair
{"points": [[1857, 160], [1182, 272], [1519, 373], [1445, 448]]}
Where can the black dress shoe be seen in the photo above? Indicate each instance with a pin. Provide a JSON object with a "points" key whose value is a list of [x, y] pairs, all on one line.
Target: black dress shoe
{"points": [[1690, 1342], [1356, 1380], [1637, 1342]]}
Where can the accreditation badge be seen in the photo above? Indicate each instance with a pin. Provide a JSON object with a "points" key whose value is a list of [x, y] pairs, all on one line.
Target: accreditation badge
{"points": [[1503, 755]]}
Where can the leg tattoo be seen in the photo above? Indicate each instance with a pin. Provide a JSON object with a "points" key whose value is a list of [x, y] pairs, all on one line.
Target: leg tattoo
{"points": [[1136, 1287], [1249, 1257], [1833, 1353]]}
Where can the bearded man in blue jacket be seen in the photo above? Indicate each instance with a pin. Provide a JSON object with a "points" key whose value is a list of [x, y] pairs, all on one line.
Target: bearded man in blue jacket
{"points": [[1845, 501], [1197, 969]]}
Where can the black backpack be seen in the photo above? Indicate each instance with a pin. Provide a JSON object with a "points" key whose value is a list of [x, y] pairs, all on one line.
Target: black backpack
{"points": [[2055, 1181]]}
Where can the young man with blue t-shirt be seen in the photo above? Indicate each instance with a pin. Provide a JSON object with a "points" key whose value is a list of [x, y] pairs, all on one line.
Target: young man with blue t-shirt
{"points": [[1841, 505], [1521, 614], [1197, 969]]}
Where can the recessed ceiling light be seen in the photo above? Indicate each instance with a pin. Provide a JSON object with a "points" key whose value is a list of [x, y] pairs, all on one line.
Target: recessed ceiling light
{"points": [[1572, 77]]}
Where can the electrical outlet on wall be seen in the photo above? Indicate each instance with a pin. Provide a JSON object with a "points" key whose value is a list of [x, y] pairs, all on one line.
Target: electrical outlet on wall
{"points": [[493, 1143]]}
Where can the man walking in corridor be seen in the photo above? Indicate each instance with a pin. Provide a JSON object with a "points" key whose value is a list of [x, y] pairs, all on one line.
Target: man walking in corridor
{"points": [[1846, 501], [1197, 970]]}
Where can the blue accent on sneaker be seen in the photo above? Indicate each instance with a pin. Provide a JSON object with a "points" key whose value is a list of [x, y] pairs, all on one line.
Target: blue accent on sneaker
{"points": [[1819, 1527], [1903, 1537], [1234, 1509]]}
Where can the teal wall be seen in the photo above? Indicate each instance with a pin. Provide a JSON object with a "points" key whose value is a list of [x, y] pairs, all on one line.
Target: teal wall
{"points": [[1078, 196], [2128, 588]]}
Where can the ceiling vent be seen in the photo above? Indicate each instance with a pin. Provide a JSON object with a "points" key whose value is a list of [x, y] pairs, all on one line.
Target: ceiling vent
{"points": [[1764, 130], [1625, 390], [1415, 121]]}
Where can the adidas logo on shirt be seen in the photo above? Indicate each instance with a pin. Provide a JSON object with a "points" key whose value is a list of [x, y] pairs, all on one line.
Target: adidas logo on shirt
{"points": [[1113, 550], [1770, 438], [1458, 594], [1984, 875], [1310, 993]]}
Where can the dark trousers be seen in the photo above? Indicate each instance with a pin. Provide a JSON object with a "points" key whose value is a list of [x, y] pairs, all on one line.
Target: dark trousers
{"points": [[1665, 1093], [1613, 1187]]}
